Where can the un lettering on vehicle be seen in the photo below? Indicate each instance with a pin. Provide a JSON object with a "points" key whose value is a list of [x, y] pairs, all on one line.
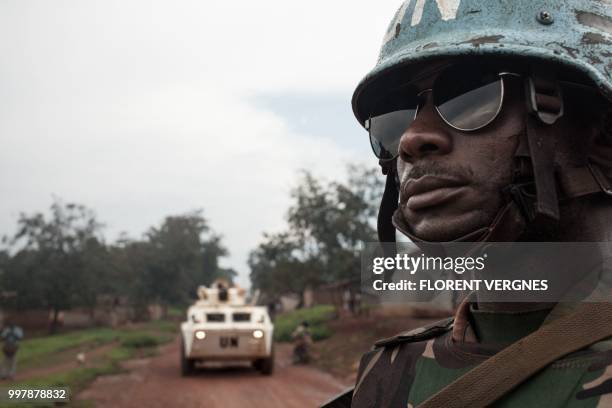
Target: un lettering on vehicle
{"points": [[228, 342]]}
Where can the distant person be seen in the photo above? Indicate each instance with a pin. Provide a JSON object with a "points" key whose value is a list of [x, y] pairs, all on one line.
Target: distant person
{"points": [[302, 340], [223, 292], [346, 301], [11, 335], [272, 310]]}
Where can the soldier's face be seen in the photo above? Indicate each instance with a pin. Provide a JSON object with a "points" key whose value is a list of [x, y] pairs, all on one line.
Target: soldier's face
{"points": [[451, 181]]}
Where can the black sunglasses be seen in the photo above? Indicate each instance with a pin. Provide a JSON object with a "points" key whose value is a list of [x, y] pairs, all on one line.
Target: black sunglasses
{"points": [[467, 98]]}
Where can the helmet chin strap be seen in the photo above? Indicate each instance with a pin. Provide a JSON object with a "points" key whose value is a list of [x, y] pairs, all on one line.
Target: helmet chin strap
{"points": [[388, 204]]}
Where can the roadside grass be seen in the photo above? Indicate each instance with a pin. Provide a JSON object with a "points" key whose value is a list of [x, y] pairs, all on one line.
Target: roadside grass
{"points": [[176, 313], [75, 379], [34, 352], [139, 341], [317, 318], [163, 326]]}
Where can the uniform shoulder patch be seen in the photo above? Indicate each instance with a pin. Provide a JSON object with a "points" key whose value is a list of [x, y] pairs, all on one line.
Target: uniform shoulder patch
{"points": [[422, 333]]}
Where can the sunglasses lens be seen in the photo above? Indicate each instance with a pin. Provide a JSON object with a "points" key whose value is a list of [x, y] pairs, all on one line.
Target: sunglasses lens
{"points": [[386, 131], [468, 100]]}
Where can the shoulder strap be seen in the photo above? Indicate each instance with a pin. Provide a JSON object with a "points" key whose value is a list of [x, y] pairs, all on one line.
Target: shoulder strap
{"points": [[419, 334], [492, 379], [342, 400]]}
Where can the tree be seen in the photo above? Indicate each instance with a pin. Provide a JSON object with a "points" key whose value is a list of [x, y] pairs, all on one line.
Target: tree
{"points": [[61, 261], [52, 265], [328, 223], [19, 276], [179, 255], [228, 274], [95, 277], [129, 265], [276, 266]]}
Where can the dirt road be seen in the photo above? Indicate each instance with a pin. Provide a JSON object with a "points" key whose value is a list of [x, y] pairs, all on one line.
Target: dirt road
{"points": [[156, 382]]}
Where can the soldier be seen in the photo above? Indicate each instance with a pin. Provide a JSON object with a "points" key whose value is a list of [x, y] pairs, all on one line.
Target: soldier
{"points": [[492, 122]]}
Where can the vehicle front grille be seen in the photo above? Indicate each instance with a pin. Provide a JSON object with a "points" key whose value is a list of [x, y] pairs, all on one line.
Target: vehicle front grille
{"points": [[215, 317], [241, 317]]}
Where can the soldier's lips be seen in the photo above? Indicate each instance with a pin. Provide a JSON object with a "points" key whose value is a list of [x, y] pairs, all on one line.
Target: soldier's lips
{"points": [[431, 191]]}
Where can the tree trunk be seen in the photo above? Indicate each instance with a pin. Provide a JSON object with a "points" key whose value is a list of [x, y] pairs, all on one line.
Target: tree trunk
{"points": [[54, 321], [92, 315], [164, 315]]}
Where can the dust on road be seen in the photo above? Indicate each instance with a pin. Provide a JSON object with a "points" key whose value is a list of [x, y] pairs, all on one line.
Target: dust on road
{"points": [[156, 382]]}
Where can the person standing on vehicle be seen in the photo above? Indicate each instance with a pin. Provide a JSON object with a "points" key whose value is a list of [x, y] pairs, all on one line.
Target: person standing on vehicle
{"points": [[11, 335]]}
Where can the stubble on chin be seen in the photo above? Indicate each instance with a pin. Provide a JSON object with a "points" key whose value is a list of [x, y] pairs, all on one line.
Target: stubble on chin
{"points": [[436, 226]]}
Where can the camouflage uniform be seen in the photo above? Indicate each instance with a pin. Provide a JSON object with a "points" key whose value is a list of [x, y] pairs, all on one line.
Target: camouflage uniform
{"points": [[405, 370]]}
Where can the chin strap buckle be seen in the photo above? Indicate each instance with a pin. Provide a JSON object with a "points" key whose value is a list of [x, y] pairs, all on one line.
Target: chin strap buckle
{"points": [[545, 98]]}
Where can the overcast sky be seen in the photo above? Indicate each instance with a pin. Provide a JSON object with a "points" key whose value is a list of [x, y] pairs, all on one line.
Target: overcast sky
{"points": [[142, 109]]}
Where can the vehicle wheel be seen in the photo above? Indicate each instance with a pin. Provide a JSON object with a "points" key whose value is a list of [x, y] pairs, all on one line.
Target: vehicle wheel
{"points": [[257, 364], [266, 365], [187, 365]]}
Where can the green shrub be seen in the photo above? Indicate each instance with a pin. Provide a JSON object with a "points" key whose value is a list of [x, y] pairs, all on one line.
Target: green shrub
{"points": [[175, 312], [316, 317], [119, 354], [139, 340], [163, 326], [321, 332]]}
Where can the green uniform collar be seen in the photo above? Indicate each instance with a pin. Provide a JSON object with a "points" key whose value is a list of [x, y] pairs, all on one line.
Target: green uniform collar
{"points": [[504, 328]]}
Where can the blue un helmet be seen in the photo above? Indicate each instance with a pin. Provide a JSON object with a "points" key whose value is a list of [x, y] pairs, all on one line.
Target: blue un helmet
{"points": [[558, 40]]}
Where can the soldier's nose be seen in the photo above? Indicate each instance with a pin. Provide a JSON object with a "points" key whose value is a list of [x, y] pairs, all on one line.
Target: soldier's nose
{"points": [[426, 135]]}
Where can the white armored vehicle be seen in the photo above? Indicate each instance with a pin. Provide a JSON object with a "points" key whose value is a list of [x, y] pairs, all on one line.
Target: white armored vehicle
{"points": [[221, 326]]}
